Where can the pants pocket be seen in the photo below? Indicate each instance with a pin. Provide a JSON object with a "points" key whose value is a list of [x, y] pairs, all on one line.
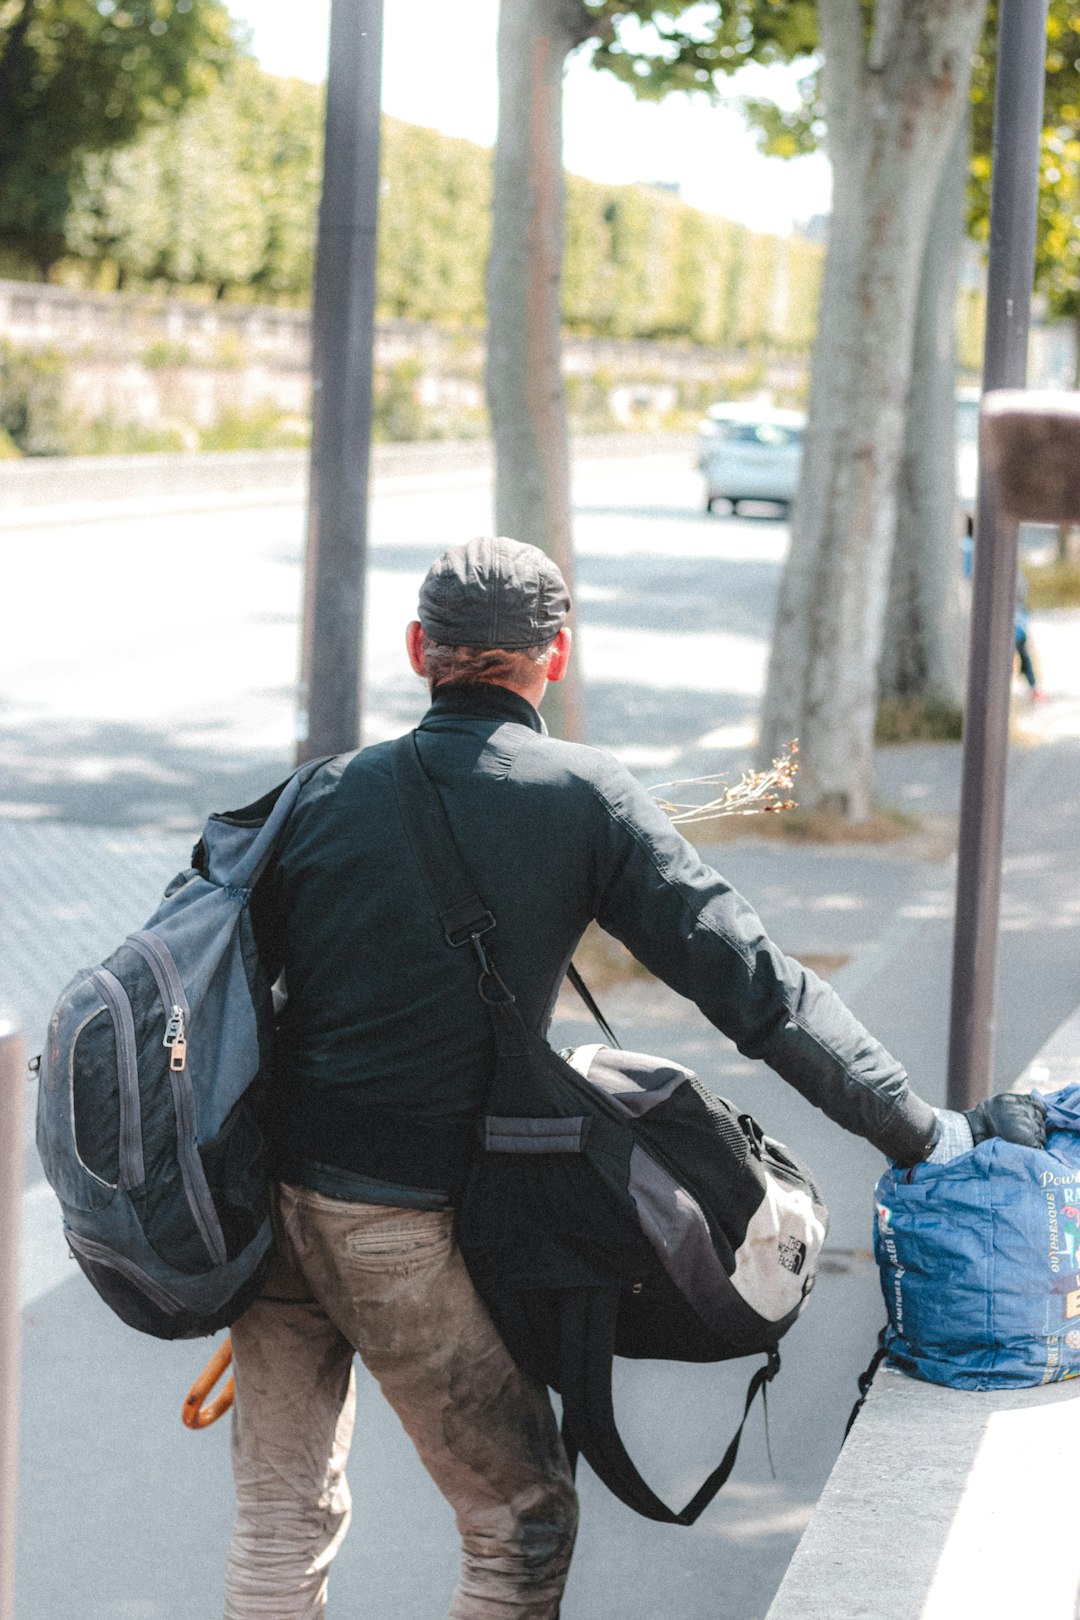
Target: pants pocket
{"points": [[401, 1237]]}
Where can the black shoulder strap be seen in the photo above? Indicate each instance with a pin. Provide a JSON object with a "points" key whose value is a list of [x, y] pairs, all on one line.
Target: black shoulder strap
{"points": [[462, 913], [587, 1350], [464, 916]]}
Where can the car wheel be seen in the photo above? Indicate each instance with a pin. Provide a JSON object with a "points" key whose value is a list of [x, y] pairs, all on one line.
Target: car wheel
{"points": [[710, 503]]}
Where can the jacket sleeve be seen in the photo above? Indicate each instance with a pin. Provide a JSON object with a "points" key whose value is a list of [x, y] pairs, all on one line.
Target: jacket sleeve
{"points": [[696, 933]]}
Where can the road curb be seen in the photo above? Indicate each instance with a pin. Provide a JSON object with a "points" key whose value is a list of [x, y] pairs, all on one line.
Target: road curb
{"points": [[61, 483], [936, 1507]]}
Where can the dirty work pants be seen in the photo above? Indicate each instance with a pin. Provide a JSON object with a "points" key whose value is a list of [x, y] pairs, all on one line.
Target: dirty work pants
{"points": [[390, 1285]]}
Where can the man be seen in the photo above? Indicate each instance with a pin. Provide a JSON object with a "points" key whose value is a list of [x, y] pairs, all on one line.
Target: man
{"points": [[387, 1055]]}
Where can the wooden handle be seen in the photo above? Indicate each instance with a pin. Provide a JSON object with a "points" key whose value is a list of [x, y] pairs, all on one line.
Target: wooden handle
{"points": [[195, 1414]]}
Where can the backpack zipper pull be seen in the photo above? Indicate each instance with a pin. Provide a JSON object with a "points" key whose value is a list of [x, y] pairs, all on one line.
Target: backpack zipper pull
{"points": [[175, 1038]]}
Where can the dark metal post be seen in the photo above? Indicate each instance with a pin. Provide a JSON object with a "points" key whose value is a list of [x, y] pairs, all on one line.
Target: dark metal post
{"points": [[12, 1079], [1014, 184], [343, 336]]}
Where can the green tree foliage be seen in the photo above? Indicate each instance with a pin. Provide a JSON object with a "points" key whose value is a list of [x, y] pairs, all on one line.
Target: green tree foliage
{"points": [[788, 133], [642, 264], [82, 76], [226, 195], [689, 43], [31, 401], [1057, 271], [222, 195], [434, 226]]}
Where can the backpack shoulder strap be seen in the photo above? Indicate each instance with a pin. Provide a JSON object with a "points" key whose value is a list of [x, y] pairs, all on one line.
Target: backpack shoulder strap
{"points": [[236, 845], [586, 1354]]}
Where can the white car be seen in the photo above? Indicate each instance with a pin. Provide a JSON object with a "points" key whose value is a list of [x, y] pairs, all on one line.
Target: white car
{"points": [[750, 453], [753, 453]]}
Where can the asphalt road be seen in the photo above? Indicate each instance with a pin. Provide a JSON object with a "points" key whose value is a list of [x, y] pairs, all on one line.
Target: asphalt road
{"points": [[147, 668], [148, 662]]}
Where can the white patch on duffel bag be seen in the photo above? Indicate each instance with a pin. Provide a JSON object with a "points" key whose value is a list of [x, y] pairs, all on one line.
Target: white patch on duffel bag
{"points": [[780, 1249]]}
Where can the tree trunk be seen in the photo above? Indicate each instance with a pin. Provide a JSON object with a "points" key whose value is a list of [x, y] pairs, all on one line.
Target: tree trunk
{"points": [[524, 283], [923, 653], [891, 110]]}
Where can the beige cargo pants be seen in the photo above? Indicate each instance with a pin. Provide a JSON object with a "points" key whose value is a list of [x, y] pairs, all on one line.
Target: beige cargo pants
{"points": [[388, 1284]]}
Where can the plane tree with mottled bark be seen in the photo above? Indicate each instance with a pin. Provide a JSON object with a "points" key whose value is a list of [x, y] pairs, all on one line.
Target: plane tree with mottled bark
{"points": [[893, 85], [524, 377], [921, 665], [524, 305]]}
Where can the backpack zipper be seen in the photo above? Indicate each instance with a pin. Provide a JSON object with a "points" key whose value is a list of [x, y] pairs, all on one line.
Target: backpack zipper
{"points": [[176, 1038], [156, 954], [118, 1006], [164, 969]]}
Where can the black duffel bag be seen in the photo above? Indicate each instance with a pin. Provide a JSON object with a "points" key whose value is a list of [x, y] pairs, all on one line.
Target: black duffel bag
{"points": [[615, 1205]]}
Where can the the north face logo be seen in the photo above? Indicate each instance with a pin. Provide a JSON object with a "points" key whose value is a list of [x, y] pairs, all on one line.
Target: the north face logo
{"points": [[791, 1253]]}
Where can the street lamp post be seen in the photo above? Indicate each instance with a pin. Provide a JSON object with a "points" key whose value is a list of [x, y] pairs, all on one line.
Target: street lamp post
{"points": [[343, 338], [1014, 183]]}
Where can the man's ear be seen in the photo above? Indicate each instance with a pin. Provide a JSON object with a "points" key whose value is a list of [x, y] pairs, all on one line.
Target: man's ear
{"points": [[560, 656], [414, 646]]}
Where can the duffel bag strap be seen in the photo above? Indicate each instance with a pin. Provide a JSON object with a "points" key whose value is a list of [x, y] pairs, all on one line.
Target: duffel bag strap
{"points": [[465, 918], [588, 1348]]}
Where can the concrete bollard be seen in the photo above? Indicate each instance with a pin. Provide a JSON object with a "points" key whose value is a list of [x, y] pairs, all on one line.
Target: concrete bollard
{"points": [[12, 1079]]}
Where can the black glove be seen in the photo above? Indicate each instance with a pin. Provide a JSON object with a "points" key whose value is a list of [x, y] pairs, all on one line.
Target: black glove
{"points": [[1013, 1116]]}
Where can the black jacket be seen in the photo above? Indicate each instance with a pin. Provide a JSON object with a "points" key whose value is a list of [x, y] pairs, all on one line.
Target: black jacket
{"points": [[387, 1048]]}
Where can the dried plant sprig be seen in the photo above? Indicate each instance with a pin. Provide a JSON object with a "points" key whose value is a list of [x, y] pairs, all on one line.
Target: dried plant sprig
{"points": [[755, 793]]}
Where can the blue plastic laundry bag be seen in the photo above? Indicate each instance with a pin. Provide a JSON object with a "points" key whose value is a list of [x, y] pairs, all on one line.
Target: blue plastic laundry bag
{"points": [[980, 1260]]}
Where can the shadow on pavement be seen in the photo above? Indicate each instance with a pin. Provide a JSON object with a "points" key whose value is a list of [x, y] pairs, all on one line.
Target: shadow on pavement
{"points": [[643, 591], [125, 775], [679, 595], [626, 715]]}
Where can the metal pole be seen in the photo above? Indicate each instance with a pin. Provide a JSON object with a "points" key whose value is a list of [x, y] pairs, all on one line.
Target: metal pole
{"points": [[1014, 186], [343, 336], [12, 1076]]}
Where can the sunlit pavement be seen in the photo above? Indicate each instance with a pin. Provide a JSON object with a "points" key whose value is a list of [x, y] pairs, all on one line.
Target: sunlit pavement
{"points": [[148, 664], [147, 670]]}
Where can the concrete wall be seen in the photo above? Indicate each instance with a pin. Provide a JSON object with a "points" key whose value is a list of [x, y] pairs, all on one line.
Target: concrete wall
{"points": [[172, 361]]}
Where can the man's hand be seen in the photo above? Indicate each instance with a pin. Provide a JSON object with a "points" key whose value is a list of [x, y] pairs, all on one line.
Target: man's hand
{"points": [[1013, 1116]]}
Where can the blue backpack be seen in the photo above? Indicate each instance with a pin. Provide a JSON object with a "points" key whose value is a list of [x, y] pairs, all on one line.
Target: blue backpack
{"points": [[980, 1260], [150, 1119]]}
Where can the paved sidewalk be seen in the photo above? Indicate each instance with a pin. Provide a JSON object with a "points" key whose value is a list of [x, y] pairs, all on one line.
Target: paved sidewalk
{"points": [[104, 1521], [68, 893]]}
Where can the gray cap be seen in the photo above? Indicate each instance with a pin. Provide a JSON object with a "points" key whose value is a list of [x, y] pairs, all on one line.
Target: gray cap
{"points": [[493, 593]]}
